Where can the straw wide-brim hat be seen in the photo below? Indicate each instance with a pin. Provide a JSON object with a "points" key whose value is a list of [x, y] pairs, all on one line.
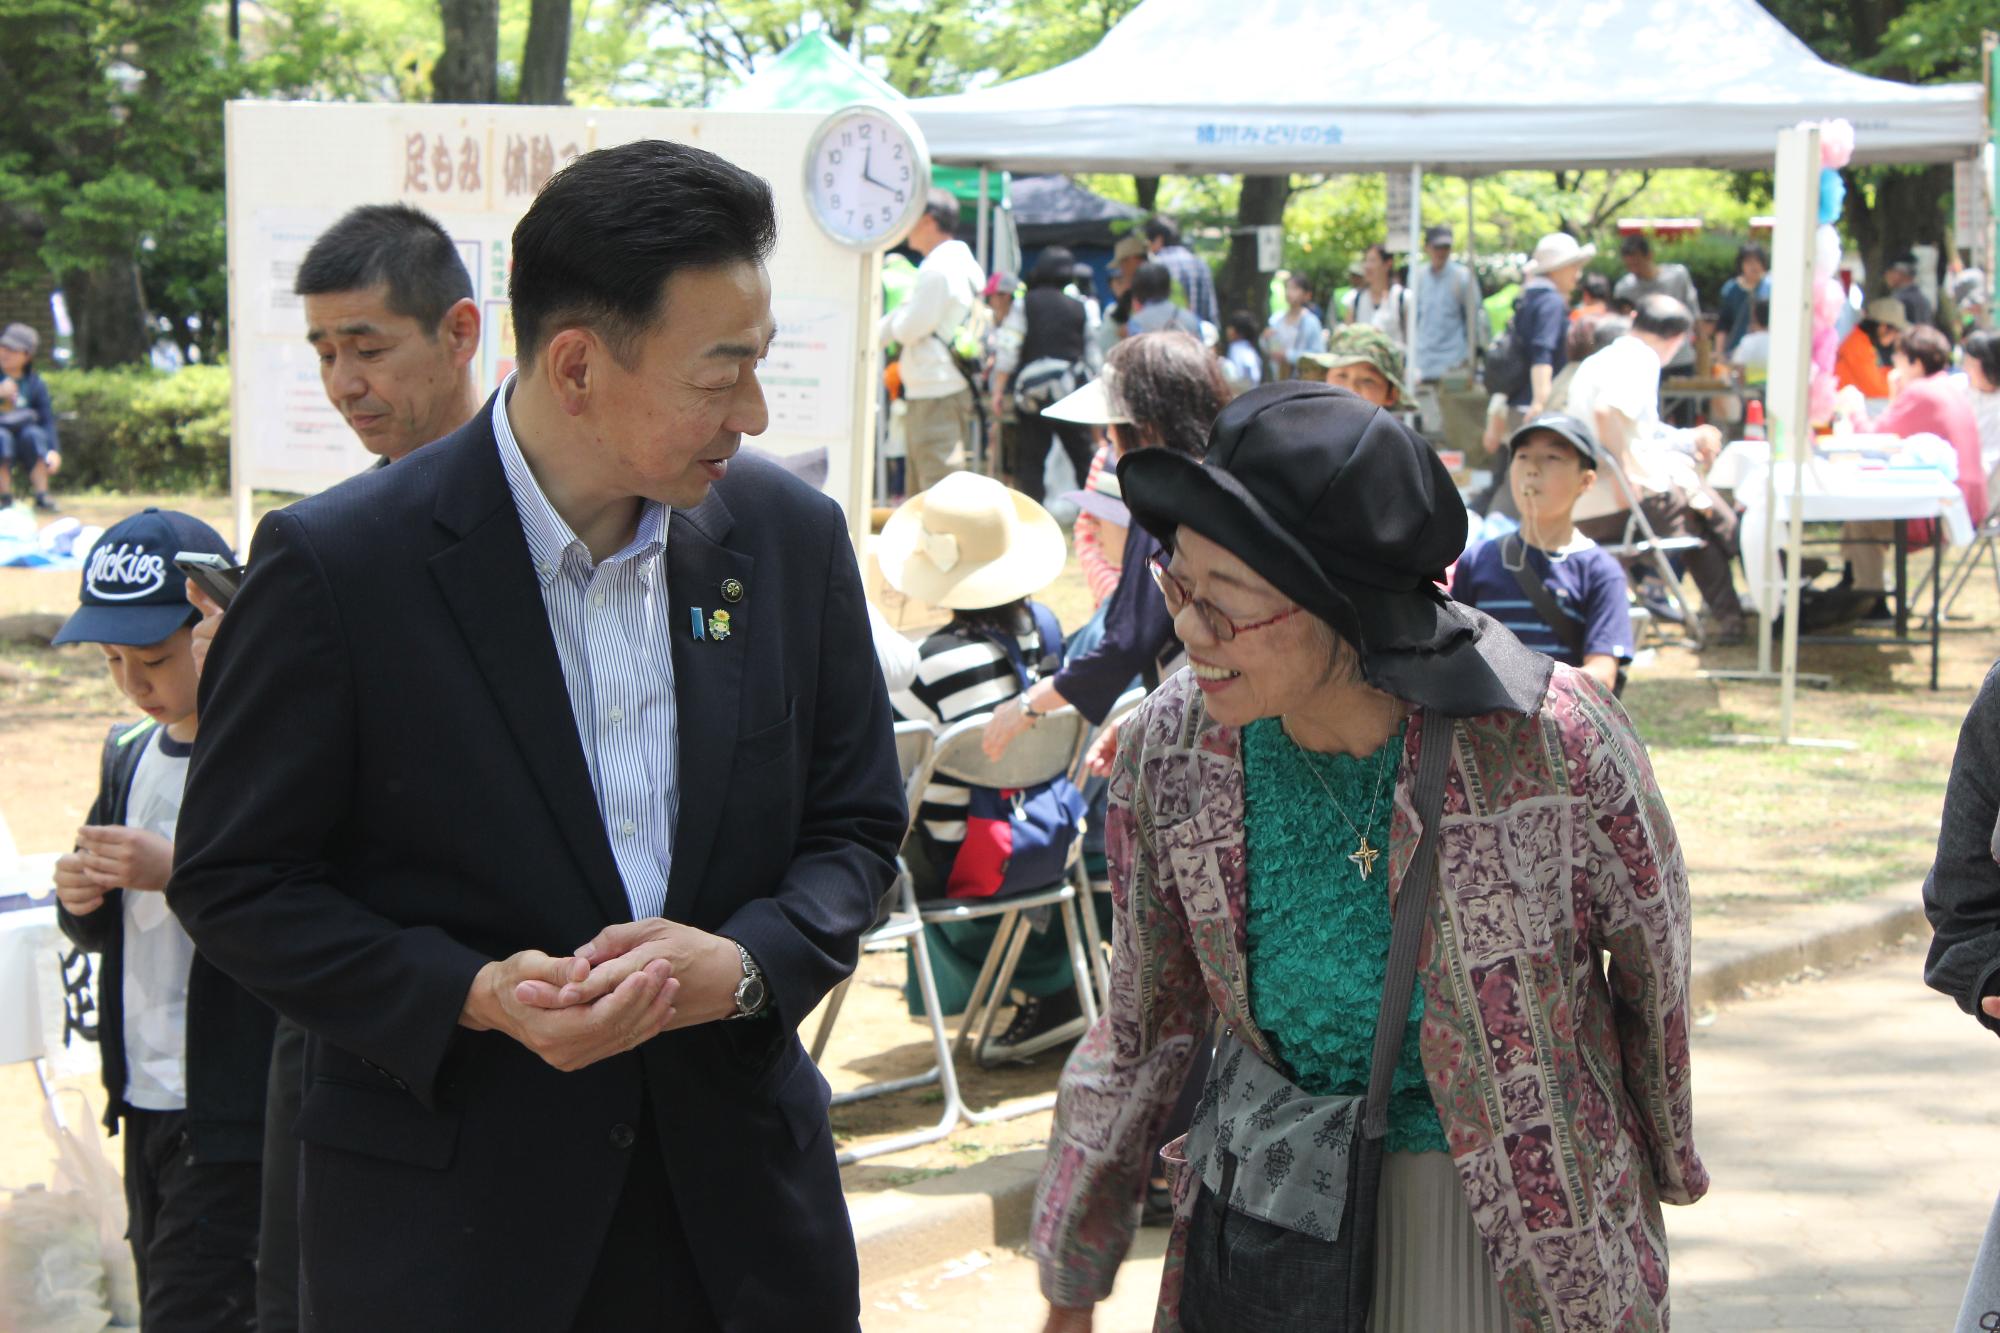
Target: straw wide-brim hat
{"points": [[1558, 250], [969, 543], [1889, 311]]}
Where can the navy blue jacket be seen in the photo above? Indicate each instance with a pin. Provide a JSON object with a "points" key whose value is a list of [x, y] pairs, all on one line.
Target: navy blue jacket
{"points": [[389, 791]]}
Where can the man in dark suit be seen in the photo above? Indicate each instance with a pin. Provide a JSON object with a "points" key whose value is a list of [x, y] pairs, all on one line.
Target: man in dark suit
{"points": [[549, 784]]}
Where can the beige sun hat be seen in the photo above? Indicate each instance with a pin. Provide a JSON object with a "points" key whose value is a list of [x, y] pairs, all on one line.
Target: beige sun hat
{"points": [[969, 543], [1558, 250]]}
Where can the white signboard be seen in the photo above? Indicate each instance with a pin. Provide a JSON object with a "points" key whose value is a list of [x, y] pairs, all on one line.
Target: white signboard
{"points": [[295, 168], [1401, 212], [1270, 249]]}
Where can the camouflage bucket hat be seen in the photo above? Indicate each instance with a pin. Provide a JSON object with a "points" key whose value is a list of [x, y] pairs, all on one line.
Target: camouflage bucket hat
{"points": [[1356, 344]]}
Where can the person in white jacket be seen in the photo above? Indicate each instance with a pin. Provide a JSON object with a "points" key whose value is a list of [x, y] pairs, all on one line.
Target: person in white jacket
{"points": [[936, 394]]}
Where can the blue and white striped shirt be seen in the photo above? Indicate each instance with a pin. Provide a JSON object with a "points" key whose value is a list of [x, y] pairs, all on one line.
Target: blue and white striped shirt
{"points": [[609, 621]]}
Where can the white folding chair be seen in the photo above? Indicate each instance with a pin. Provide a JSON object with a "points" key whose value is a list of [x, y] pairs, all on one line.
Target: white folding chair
{"points": [[914, 744], [1987, 544], [1048, 750], [1641, 543]]}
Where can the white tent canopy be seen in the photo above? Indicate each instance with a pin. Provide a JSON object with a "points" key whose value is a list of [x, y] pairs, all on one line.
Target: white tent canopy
{"points": [[1458, 86]]}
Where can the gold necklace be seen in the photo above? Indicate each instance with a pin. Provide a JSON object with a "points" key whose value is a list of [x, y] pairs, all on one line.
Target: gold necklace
{"points": [[1364, 855]]}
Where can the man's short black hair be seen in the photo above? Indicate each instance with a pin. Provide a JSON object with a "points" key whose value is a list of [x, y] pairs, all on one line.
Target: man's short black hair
{"points": [[596, 248], [390, 245], [1635, 244], [941, 207], [1662, 316], [1163, 230], [1153, 282], [1595, 286], [1756, 252], [1760, 312]]}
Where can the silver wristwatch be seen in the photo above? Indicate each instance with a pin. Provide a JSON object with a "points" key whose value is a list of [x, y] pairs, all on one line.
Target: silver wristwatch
{"points": [[752, 995]]}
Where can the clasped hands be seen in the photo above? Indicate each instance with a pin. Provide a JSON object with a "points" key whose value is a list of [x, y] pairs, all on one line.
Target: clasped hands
{"points": [[111, 857], [634, 981]]}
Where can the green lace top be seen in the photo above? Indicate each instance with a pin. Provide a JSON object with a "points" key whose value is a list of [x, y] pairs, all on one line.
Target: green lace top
{"points": [[1318, 932]]}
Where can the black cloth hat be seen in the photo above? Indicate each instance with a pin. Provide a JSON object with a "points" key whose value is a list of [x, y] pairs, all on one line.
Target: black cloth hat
{"points": [[1573, 432], [132, 594], [1354, 517]]}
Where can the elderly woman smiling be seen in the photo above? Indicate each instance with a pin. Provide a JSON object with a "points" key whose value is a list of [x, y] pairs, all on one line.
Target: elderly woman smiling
{"points": [[1343, 733]]}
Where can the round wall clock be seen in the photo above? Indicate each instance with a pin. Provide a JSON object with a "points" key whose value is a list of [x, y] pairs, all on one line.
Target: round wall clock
{"points": [[867, 175]]}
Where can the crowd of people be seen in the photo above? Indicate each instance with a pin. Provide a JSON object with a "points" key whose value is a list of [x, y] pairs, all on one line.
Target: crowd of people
{"points": [[365, 1021]]}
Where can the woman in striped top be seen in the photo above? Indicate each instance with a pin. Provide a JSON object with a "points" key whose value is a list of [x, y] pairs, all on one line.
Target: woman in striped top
{"points": [[979, 550]]}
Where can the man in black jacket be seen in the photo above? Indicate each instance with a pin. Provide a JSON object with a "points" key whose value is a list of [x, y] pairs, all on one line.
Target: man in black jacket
{"points": [[549, 784]]}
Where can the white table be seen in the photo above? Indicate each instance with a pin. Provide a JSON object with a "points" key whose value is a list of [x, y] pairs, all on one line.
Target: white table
{"points": [[29, 938], [1841, 492]]}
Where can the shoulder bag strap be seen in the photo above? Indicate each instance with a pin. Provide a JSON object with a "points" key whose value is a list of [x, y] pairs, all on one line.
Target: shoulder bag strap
{"points": [[1514, 554], [1440, 733]]}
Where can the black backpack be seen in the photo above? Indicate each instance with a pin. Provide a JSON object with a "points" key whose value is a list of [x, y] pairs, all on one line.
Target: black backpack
{"points": [[1507, 362]]}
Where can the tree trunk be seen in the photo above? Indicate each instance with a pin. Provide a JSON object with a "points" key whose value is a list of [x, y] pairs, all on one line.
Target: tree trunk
{"points": [[1242, 285], [1908, 210], [107, 307], [1147, 188], [545, 59], [469, 69]]}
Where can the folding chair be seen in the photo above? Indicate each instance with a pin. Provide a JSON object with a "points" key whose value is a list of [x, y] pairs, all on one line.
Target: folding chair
{"points": [[1049, 749], [1641, 543], [914, 744], [1986, 543]]}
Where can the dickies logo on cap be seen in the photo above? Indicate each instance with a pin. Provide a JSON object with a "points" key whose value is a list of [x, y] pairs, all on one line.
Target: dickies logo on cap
{"points": [[132, 594], [124, 573]]}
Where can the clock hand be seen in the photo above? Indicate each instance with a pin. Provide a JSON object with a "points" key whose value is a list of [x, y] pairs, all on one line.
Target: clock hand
{"points": [[867, 157]]}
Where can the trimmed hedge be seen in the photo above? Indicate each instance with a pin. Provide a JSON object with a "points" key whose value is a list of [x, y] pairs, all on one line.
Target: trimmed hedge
{"points": [[143, 430]]}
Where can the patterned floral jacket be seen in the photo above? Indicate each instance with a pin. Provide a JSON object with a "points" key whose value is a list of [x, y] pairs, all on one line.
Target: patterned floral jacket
{"points": [[1563, 1091]]}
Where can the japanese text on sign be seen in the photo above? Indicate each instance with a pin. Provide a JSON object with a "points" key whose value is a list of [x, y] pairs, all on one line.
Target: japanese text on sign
{"points": [[1274, 134]]}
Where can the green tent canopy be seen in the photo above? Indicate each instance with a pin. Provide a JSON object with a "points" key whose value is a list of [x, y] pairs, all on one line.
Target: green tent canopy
{"points": [[814, 74]]}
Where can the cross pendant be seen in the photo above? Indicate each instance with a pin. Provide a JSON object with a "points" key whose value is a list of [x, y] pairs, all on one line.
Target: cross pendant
{"points": [[1363, 857]]}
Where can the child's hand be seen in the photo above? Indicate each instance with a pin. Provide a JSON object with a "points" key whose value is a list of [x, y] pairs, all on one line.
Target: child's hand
{"points": [[117, 857], [76, 892]]}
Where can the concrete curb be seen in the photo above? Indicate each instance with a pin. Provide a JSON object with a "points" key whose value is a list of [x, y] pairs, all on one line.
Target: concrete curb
{"points": [[931, 1221], [1758, 953], [938, 1219]]}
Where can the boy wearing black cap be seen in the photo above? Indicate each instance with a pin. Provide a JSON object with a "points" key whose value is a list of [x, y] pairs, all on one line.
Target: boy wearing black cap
{"points": [[1559, 591], [184, 1049]]}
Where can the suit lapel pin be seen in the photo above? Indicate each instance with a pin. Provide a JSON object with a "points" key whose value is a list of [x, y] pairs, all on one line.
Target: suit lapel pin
{"points": [[695, 615], [718, 626], [732, 590]]}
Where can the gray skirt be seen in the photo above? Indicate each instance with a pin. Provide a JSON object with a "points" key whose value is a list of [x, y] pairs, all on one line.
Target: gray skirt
{"points": [[1431, 1271]]}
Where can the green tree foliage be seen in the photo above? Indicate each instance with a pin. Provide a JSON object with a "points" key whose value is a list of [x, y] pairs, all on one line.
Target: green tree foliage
{"points": [[111, 170]]}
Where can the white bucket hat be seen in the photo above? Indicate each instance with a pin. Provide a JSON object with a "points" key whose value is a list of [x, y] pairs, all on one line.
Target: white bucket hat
{"points": [[1558, 250], [969, 543], [1095, 404]]}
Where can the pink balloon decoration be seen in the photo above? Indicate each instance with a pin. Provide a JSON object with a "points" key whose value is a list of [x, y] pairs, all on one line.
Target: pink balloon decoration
{"points": [[1836, 143]]}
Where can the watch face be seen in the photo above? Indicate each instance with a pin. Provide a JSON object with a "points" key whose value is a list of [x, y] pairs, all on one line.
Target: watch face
{"points": [[866, 178]]}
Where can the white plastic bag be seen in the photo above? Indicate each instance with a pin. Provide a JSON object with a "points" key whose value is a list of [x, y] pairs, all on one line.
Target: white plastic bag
{"points": [[65, 1266]]}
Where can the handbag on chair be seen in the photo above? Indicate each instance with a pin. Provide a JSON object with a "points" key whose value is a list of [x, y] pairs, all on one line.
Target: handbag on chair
{"points": [[1018, 840]]}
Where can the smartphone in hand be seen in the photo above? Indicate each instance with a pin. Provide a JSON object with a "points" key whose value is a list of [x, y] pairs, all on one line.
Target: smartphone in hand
{"points": [[213, 574]]}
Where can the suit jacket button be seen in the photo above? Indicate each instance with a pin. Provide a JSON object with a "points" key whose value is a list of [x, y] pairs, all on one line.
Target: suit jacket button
{"points": [[622, 1136]]}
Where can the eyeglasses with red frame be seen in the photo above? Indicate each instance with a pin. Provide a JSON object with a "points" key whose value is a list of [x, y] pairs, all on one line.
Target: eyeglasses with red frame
{"points": [[1179, 596]]}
